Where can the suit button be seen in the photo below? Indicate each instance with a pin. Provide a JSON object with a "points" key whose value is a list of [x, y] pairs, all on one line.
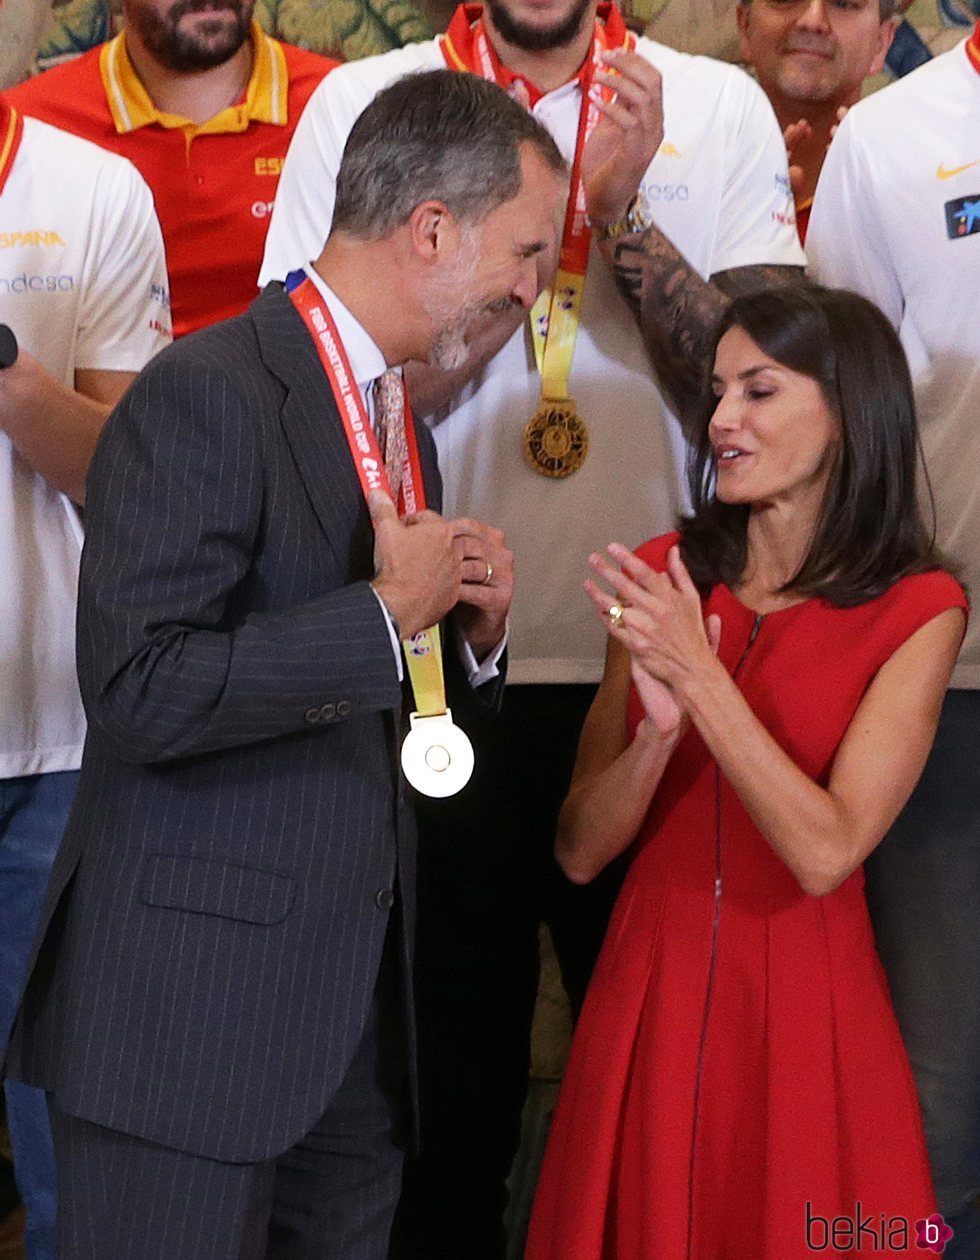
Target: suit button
{"points": [[328, 712], [384, 899], [344, 708], [312, 716]]}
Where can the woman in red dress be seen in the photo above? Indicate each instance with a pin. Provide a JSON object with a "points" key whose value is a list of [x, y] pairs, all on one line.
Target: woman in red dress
{"points": [[737, 1087]]}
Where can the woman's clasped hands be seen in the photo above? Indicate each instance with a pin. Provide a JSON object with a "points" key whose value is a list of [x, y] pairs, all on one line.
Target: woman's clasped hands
{"points": [[658, 620]]}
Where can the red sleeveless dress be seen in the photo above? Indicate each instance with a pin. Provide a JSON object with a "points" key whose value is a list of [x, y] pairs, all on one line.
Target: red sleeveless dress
{"points": [[737, 1080]]}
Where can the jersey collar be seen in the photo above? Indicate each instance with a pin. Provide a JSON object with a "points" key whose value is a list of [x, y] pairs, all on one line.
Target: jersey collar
{"points": [[11, 129], [264, 99], [973, 48]]}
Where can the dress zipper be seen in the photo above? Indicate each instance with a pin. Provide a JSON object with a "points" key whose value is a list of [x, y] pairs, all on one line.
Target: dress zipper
{"points": [[753, 635]]}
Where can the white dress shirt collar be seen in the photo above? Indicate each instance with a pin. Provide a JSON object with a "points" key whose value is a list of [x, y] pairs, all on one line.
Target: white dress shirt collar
{"points": [[365, 357]]}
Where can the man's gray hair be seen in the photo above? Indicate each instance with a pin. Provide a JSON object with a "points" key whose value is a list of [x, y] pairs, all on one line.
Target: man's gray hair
{"points": [[438, 136]]}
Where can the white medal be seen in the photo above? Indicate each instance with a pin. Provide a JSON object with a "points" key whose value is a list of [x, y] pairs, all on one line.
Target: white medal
{"points": [[437, 757]]}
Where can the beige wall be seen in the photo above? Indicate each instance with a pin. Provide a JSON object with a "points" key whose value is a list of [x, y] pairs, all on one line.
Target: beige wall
{"points": [[699, 26]]}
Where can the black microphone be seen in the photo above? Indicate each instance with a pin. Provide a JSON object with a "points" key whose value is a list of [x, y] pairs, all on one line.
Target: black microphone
{"points": [[8, 347]]}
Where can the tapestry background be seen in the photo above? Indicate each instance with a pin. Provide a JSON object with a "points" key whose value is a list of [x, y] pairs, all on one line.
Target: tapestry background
{"points": [[38, 33]]}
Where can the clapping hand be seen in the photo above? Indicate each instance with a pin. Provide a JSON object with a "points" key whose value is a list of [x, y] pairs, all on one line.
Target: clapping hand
{"points": [[658, 619], [660, 705], [800, 133], [627, 136], [796, 134]]}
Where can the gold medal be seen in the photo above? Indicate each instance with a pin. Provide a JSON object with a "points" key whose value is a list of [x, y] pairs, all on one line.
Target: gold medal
{"points": [[556, 440]]}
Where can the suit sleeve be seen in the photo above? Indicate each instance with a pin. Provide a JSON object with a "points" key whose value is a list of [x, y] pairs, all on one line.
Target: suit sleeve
{"points": [[172, 660]]}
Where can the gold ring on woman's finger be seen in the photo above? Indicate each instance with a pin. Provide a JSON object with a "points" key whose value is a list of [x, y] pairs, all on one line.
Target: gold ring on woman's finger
{"points": [[615, 614], [489, 573]]}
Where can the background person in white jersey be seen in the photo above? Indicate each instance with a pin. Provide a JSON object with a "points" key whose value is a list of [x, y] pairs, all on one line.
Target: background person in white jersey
{"points": [[83, 286], [897, 217], [715, 183], [811, 58]]}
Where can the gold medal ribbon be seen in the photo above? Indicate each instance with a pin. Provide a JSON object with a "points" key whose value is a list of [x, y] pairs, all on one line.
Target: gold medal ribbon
{"points": [[423, 651], [555, 315]]}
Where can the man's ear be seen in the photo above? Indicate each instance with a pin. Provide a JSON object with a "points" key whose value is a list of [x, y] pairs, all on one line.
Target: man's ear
{"points": [[433, 230], [885, 37]]}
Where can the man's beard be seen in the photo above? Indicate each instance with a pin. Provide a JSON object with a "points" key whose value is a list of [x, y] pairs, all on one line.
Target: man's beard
{"points": [[211, 44], [532, 38], [453, 325], [450, 346], [452, 343]]}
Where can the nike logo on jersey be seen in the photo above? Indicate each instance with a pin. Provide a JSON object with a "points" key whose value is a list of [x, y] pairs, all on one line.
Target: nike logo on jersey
{"points": [[943, 173]]}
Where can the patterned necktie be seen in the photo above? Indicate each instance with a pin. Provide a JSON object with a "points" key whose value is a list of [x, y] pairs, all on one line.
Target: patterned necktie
{"points": [[389, 423]]}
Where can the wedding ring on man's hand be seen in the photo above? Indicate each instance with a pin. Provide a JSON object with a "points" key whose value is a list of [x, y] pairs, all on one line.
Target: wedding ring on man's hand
{"points": [[486, 580], [614, 614]]}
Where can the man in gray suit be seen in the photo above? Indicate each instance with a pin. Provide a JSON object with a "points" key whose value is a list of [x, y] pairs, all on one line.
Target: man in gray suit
{"points": [[219, 1008]]}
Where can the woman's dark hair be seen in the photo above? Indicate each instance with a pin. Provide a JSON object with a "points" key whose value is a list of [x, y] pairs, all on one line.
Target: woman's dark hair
{"points": [[870, 531]]}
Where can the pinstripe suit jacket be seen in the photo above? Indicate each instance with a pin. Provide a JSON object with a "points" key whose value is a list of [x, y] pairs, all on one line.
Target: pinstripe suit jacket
{"points": [[225, 879]]}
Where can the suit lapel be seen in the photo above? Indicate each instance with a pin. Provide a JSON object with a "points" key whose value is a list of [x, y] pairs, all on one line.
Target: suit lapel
{"points": [[310, 421], [312, 425]]}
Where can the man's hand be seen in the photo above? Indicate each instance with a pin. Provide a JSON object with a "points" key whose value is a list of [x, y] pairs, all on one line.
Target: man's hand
{"points": [[796, 134], [799, 140], [627, 137], [487, 584], [417, 563]]}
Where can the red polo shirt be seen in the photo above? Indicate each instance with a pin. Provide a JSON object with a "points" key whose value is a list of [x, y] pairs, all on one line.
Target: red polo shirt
{"points": [[214, 183]]}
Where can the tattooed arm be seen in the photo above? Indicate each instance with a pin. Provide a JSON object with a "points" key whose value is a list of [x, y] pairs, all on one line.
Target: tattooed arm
{"points": [[677, 310]]}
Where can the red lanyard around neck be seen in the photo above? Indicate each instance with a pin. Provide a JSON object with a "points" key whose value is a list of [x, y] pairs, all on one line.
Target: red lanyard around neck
{"points": [[360, 436], [556, 314]]}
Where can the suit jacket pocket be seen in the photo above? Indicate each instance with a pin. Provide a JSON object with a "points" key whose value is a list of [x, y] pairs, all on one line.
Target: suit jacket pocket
{"points": [[203, 886]]}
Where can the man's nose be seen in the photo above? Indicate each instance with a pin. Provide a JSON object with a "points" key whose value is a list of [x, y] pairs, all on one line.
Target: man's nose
{"points": [[814, 16], [529, 284]]}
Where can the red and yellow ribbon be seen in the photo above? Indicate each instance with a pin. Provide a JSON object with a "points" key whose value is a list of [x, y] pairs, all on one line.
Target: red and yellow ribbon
{"points": [[555, 316], [423, 651]]}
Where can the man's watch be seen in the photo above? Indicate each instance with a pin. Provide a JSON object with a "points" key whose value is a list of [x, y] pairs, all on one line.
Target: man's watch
{"points": [[634, 220]]}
